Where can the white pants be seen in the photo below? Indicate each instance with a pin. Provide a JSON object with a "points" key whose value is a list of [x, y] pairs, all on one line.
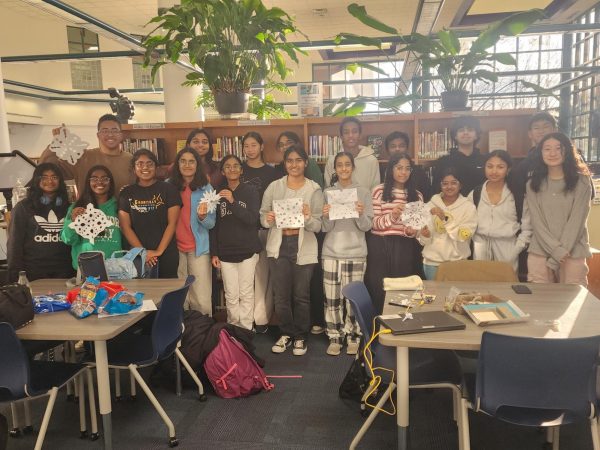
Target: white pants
{"points": [[238, 283], [263, 292], [498, 249], [200, 295]]}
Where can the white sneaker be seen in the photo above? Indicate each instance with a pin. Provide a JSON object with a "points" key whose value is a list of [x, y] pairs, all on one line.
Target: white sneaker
{"points": [[300, 347], [352, 348], [282, 344], [316, 329], [334, 348]]}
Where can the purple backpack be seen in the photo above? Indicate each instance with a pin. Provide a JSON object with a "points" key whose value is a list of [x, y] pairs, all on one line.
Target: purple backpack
{"points": [[232, 371]]}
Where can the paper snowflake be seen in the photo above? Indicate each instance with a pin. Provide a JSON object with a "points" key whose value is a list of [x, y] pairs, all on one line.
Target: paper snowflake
{"points": [[212, 198], [68, 146], [91, 223], [343, 204], [288, 213], [415, 215]]}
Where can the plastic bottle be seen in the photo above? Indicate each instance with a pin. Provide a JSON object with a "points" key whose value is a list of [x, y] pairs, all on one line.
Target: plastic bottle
{"points": [[23, 281], [19, 192]]}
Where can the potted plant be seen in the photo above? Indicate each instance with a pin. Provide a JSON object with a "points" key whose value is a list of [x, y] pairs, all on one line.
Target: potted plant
{"points": [[233, 44], [455, 67]]}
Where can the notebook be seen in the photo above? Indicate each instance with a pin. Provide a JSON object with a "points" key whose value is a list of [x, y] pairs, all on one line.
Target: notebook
{"points": [[422, 322]]}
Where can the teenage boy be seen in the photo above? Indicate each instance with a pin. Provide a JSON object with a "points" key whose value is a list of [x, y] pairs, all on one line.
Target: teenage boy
{"points": [[464, 157], [366, 171], [108, 154]]}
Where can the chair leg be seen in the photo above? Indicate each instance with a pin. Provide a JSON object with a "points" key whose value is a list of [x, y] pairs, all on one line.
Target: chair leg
{"points": [[118, 384], [159, 409], [594, 430], [372, 416], [46, 420], [132, 389], [555, 438], [28, 428], [177, 375], [464, 439], [15, 430], [191, 372], [92, 400], [82, 421]]}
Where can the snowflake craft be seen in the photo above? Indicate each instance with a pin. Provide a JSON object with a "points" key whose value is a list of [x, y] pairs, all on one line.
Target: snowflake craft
{"points": [[343, 204], [212, 198], [91, 223], [68, 146], [415, 215], [288, 213]]}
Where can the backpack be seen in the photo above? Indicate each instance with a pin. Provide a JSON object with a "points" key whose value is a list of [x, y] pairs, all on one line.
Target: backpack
{"points": [[232, 371], [126, 267]]}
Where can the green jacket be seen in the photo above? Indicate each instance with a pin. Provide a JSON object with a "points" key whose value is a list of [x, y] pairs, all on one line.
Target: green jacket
{"points": [[107, 242]]}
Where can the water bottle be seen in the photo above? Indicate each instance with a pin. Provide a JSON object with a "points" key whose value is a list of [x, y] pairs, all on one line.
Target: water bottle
{"points": [[19, 192], [23, 281]]}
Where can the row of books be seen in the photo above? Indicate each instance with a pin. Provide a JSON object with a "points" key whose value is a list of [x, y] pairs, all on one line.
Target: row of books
{"points": [[228, 145], [321, 148], [156, 146], [433, 144]]}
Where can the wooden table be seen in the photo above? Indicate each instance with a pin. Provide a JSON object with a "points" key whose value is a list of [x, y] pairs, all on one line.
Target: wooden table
{"points": [[62, 326], [577, 310]]}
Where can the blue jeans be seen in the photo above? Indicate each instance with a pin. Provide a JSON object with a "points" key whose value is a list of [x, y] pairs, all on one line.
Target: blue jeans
{"points": [[430, 271]]}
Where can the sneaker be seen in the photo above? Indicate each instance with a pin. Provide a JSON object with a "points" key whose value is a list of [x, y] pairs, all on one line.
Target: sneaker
{"points": [[317, 329], [334, 348], [352, 348], [300, 347], [261, 329], [282, 344]]}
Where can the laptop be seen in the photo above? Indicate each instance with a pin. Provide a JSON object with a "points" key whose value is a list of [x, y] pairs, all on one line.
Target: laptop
{"points": [[422, 322]]}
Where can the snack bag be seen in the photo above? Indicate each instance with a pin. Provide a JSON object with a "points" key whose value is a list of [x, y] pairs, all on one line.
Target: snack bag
{"points": [[85, 302]]}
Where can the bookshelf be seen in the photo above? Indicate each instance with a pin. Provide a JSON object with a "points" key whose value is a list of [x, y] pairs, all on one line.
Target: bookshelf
{"points": [[321, 135]]}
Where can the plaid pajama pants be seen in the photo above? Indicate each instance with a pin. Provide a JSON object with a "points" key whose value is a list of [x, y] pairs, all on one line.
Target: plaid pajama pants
{"points": [[338, 312]]}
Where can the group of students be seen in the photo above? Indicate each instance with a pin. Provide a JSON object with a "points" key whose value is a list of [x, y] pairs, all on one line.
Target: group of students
{"points": [[481, 202]]}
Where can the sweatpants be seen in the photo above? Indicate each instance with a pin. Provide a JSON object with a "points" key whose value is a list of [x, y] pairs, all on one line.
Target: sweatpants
{"points": [[238, 284], [291, 290], [263, 290], [339, 316], [571, 270], [389, 256], [199, 295]]}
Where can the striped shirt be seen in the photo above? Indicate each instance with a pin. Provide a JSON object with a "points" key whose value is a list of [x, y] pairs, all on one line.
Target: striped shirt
{"points": [[384, 223]]}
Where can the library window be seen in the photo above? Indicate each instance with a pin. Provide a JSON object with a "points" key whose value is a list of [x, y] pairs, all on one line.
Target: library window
{"points": [[142, 78], [85, 74]]}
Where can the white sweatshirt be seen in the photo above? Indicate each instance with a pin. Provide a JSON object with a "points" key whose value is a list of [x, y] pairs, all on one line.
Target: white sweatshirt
{"points": [[366, 172], [450, 238]]}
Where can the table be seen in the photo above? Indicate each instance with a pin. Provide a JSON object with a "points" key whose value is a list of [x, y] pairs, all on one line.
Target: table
{"points": [[574, 306], [62, 326]]}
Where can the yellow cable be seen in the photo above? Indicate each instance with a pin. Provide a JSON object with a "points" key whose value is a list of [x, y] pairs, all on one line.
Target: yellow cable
{"points": [[376, 379]]}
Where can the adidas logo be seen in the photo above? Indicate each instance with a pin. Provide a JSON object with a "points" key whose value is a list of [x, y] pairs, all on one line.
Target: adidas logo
{"points": [[51, 226]]}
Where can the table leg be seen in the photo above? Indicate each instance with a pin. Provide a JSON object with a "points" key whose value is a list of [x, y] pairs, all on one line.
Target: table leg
{"points": [[402, 396], [104, 391]]}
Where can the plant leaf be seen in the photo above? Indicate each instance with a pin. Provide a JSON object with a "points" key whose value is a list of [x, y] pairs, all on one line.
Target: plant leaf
{"points": [[510, 26], [360, 12], [351, 38], [539, 89]]}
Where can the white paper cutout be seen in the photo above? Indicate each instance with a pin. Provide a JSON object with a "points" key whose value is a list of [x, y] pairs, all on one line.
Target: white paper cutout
{"points": [[91, 223], [212, 198], [288, 213], [68, 146], [415, 215], [343, 204]]}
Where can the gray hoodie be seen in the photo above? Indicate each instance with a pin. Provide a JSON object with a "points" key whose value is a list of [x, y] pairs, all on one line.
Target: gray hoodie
{"points": [[366, 172], [345, 238]]}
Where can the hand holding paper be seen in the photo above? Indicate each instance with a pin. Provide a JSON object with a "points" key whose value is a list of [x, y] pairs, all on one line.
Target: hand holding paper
{"points": [[343, 204], [289, 213], [415, 215]]}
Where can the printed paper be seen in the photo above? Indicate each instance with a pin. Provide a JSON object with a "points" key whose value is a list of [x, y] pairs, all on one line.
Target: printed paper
{"points": [[288, 213], [91, 223], [415, 215], [68, 146], [343, 204]]}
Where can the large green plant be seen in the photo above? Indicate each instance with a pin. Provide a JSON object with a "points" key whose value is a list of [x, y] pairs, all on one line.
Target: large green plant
{"points": [[456, 67], [232, 43]]}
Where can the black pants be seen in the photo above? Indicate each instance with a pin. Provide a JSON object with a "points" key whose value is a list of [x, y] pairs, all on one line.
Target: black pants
{"points": [[168, 262], [291, 290], [389, 256]]}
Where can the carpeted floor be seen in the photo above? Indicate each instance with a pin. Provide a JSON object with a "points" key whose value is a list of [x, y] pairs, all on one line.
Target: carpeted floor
{"points": [[299, 414]]}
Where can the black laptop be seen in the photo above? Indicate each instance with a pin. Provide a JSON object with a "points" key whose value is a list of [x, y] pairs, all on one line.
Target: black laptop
{"points": [[422, 322]]}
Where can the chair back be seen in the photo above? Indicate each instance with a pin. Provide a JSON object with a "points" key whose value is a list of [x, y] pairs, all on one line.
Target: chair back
{"points": [[467, 270], [357, 294], [167, 325], [537, 373], [91, 264], [14, 367]]}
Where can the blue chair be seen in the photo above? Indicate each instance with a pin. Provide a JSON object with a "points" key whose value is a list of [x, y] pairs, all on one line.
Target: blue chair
{"points": [[21, 380], [134, 351], [428, 368], [538, 382]]}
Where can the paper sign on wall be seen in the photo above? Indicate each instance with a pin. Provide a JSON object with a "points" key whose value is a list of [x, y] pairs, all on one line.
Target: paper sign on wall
{"points": [[288, 213]]}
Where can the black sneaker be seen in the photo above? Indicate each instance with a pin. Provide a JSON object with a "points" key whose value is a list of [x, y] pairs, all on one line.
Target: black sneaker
{"points": [[262, 329]]}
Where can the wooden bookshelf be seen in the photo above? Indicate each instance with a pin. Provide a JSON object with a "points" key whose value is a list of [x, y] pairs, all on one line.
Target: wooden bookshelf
{"points": [[515, 123]]}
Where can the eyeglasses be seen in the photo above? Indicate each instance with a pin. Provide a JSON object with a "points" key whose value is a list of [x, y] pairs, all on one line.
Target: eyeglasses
{"points": [[101, 180], [106, 131], [142, 164], [187, 162], [49, 178], [449, 183], [232, 168]]}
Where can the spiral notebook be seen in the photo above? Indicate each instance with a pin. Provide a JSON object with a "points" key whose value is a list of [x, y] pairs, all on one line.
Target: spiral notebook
{"points": [[422, 322]]}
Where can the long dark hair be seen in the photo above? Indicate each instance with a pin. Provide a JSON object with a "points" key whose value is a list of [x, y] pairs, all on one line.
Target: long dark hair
{"points": [[290, 135], [35, 193], [138, 154], [297, 148], [193, 133], [88, 196], [258, 138], [227, 158], [388, 184], [334, 175], [504, 156], [199, 179], [573, 165]]}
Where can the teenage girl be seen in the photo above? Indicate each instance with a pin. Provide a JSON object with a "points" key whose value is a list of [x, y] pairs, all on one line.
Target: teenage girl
{"points": [[558, 198], [454, 220], [99, 190], [503, 231], [344, 256], [201, 141]]}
